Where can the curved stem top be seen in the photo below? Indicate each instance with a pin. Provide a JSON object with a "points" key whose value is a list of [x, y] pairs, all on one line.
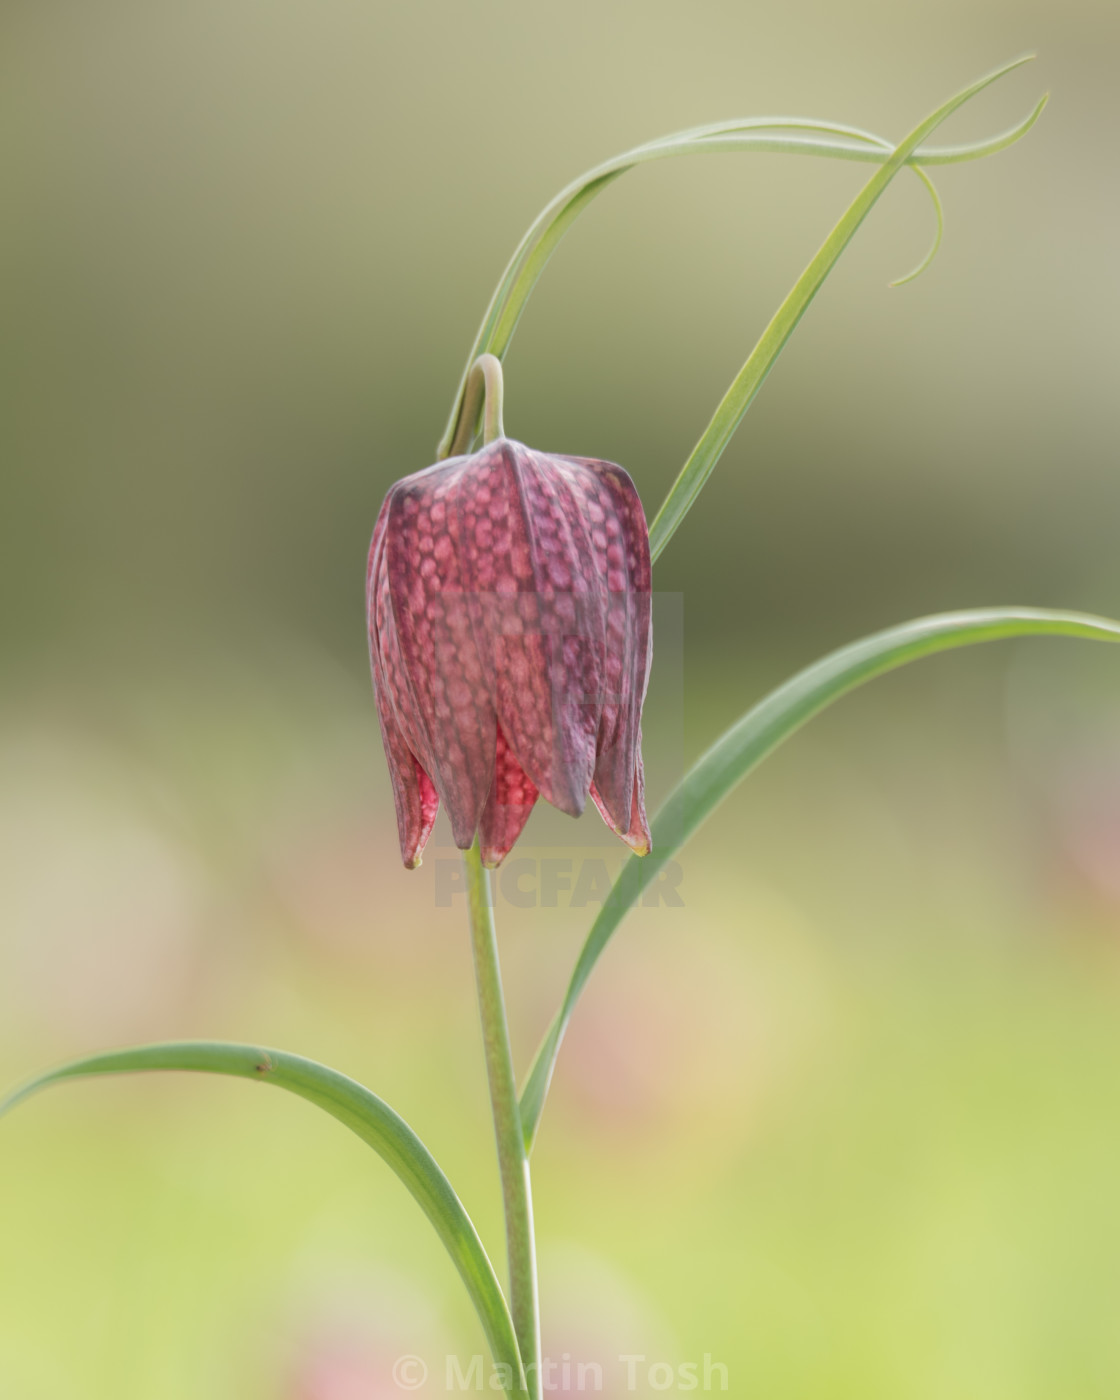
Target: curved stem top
{"points": [[485, 383]]}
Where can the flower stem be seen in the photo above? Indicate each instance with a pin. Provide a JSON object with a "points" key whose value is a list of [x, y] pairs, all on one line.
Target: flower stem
{"points": [[484, 390], [513, 1162]]}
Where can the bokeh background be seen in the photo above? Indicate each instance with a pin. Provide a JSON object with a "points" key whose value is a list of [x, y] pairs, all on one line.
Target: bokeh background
{"points": [[848, 1122]]}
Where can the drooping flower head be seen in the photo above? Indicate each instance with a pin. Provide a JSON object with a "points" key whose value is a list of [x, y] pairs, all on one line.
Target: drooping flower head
{"points": [[508, 599]]}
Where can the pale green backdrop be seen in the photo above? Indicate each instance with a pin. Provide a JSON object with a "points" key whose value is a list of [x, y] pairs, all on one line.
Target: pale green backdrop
{"points": [[848, 1122]]}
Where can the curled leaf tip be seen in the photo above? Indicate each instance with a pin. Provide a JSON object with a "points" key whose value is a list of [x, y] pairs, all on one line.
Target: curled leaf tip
{"points": [[939, 211]]}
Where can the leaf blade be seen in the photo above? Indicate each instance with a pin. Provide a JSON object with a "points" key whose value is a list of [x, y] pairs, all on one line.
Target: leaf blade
{"points": [[733, 406], [756, 735], [528, 261], [351, 1104]]}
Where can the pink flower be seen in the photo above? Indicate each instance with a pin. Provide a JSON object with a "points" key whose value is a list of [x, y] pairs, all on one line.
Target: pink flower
{"points": [[508, 598]]}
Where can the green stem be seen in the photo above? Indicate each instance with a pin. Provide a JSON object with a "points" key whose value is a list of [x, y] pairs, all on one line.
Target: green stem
{"points": [[513, 1160], [485, 390]]}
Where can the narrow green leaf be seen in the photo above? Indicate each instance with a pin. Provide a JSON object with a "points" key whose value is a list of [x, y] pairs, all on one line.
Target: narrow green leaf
{"points": [[758, 734], [707, 452], [746, 134], [361, 1111]]}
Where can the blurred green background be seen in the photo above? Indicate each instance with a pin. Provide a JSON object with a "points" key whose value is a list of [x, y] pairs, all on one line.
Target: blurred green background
{"points": [[848, 1121]]}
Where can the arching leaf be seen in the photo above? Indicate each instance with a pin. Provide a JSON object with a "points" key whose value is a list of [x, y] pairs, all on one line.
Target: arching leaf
{"points": [[784, 135], [758, 734], [734, 404], [363, 1113]]}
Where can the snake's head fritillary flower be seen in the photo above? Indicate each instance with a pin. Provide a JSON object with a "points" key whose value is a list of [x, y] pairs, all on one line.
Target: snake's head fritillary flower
{"points": [[508, 599]]}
